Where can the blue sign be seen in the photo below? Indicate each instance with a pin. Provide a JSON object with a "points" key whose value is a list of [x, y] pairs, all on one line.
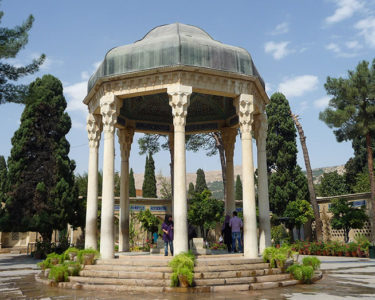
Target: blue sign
{"points": [[137, 207], [238, 209], [158, 208], [117, 207]]}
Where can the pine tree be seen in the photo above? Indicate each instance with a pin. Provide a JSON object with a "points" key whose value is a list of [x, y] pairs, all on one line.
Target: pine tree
{"points": [[42, 194], [191, 190], [132, 191], [200, 184], [12, 41], [149, 181], [352, 112], [238, 194], [286, 180]]}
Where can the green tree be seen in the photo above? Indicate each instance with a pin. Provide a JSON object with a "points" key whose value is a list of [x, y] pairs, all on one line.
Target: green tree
{"points": [[148, 221], [298, 213], [12, 41], [42, 195], [286, 181], [132, 191], [3, 179], [333, 184], [362, 184], [351, 111], [205, 211], [346, 217], [200, 183], [191, 190], [238, 193], [149, 181]]}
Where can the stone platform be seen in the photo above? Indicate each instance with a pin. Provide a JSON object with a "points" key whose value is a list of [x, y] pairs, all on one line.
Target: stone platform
{"points": [[152, 274]]}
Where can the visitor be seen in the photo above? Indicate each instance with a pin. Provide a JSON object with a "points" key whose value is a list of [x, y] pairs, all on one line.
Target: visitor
{"points": [[155, 237], [226, 232], [235, 224], [167, 228], [192, 233]]}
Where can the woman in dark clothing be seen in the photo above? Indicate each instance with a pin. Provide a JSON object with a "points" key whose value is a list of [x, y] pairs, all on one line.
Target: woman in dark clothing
{"points": [[167, 228], [226, 232]]}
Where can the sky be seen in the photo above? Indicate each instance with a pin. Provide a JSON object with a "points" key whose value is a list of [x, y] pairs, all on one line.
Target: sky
{"points": [[295, 45]]}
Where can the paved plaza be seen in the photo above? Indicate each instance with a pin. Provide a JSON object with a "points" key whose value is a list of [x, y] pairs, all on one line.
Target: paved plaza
{"points": [[344, 278]]}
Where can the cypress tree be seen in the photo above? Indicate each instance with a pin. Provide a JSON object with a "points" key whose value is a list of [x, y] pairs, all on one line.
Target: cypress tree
{"points": [[200, 184], [12, 41], [3, 179], [191, 190], [42, 195], [132, 191], [286, 180], [238, 194], [149, 181]]}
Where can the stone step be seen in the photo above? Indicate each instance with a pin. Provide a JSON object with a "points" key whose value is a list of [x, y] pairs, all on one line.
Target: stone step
{"points": [[224, 281], [134, 262], [127, 268], [237, 274], [273, 278], [125, 274], [227, 261], [240, 267], [123, 288], [119, 281]]}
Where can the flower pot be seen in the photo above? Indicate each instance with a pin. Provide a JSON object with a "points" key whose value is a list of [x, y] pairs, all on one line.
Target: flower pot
{"points": [[54, 261], [324, 252], [339, 253], [347, 254], [88, 259], [354, 253], [318, 252], [300, 251], [183, 281], [72, 255]]}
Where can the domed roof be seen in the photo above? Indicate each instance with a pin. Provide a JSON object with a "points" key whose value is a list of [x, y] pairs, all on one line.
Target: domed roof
{"points": [[175, 45]]}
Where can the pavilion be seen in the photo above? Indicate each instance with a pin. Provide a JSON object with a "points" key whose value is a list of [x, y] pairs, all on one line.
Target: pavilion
{"points": [[177, 80]]}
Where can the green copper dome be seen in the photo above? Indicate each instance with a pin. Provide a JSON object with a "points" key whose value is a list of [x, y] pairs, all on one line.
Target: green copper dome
{"points": [[175, 45]]}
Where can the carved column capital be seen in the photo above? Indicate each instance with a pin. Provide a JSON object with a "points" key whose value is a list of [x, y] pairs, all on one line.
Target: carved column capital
{"points": [[260, 130], [229, 138], [245, 108], [125, 136], [109, 109], [94, 130], [179, 100]]}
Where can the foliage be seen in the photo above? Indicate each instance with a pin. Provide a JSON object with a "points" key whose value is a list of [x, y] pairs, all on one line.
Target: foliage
{"points": [[59, 273], [73, 268], [362, 183], [165, 188], [3, 179], [191, 190], [238, 193], [279, 234], [346, 217], [298, 213], [301, 272], [362, 241], [12, 41], [182, 264], [312, 261], [200, 183], [69, 251], [42, 195], [51, 260], [205, 211], [333, 184], [286, 181], [132, 190], [278, 256], [149, 222], [149, 181], [358, 248]]}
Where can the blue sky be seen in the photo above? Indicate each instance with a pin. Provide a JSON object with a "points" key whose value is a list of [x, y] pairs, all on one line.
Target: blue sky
{"points": [[294, 44]]}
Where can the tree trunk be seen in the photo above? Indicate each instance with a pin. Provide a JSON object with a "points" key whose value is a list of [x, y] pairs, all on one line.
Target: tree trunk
{"points": [[371, 203], [220, 147], [46, 236], [310, 182]]}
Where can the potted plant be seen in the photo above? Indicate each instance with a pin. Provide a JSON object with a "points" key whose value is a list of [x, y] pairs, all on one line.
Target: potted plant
{"points": [[87, 256], [183, 270]]}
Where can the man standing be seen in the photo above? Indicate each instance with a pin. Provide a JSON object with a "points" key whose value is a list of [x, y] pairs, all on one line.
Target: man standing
{"points": [[235, 224]]}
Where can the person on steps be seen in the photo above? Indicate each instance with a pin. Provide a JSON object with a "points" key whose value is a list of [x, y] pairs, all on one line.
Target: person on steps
{"points": [[167, 228]]}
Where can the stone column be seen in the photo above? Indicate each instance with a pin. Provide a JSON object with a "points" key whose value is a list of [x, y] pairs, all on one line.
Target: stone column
{"points": [[125, 139], [229, 139], [171, 150], [94, 129], [109, 117], [245, 109], [179, 98], [263, 200]]}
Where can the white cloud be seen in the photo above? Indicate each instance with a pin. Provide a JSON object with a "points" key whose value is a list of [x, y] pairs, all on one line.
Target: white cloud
{"points": [[49, 62], [333, 47], [366, 28], [353, 45], [85, 75], [96, 64], [345, 9], [299, 85], [268, 87], [322, 102], [278, 50], [75, 94], [281, 28]]}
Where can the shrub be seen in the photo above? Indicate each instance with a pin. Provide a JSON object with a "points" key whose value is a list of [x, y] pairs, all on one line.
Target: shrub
{"points": [[182, 265], [296, 271], [279, 234], [69, 251], [73, 268], [59, 273], [278, 256], [269, 255], [307, 273], [82, 253], [362, 241], [312, 261]]}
